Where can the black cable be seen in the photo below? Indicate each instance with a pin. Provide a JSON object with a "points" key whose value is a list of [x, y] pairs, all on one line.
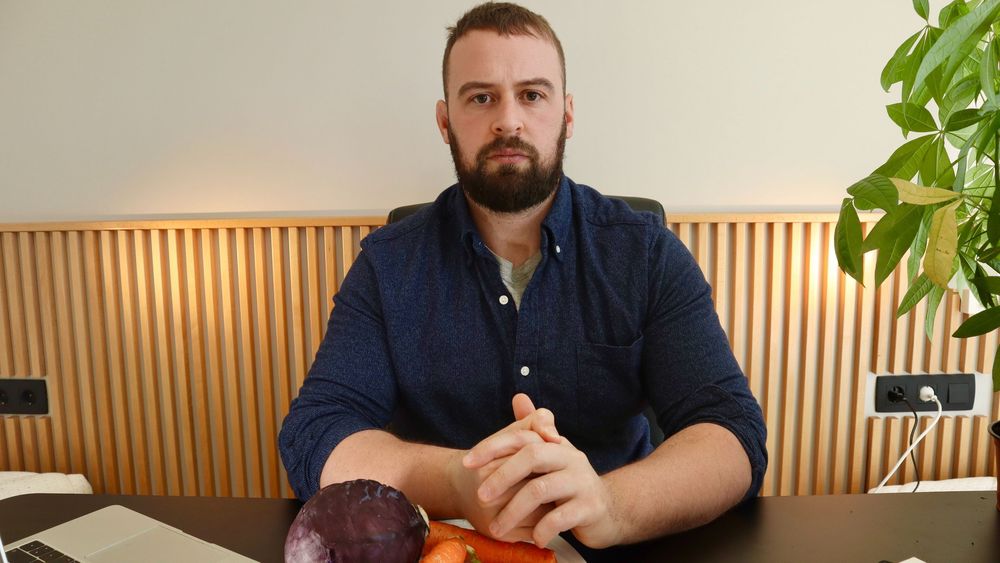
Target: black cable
{"points": [[913, 452]]}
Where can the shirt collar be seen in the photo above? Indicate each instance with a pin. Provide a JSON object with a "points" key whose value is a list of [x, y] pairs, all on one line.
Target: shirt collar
{"points": [[555, 227]]}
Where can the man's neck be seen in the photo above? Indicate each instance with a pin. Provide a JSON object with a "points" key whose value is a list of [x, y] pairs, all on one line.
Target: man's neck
{"points": [[514, 237]]}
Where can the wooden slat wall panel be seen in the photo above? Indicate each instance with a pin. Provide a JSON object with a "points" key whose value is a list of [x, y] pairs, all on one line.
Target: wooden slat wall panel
{"points": [[806, 336], [172, 349]]}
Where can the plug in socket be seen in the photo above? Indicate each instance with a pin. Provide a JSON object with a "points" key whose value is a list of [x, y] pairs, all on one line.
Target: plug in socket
{"points": [[24, 396]]}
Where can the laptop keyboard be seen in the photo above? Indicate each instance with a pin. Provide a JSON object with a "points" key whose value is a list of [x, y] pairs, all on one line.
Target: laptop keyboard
{"points": [[36, 551]]}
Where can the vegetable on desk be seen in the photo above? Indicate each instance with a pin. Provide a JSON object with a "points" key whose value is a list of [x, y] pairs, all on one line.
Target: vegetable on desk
{"points": [[451, 550], [361, 520], [488, 549]]}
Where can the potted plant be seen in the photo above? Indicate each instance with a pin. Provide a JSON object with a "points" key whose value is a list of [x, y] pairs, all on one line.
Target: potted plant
{"points": [[939, 189]]}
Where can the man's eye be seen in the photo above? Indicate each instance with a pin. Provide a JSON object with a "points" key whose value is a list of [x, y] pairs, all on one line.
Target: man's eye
{"points": [[481, 98], [532, 96]]}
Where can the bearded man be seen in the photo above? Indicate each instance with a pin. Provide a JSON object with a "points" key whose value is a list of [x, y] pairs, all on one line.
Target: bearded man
{"points": [[491, 355]]}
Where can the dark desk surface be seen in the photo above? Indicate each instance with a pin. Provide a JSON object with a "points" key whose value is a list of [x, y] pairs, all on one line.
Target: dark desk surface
{"points": [[935, 527]]}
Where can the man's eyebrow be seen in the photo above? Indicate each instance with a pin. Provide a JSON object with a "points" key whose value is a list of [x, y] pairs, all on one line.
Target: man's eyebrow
{"points": [[543, 83]]}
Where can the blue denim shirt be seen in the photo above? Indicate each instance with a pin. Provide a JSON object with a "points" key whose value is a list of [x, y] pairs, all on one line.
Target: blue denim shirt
{"points": [[424, 339]]}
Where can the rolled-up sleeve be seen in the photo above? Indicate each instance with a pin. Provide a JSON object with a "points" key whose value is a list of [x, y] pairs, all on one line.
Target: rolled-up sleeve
{"points": [[688, 366], [350, 386]]}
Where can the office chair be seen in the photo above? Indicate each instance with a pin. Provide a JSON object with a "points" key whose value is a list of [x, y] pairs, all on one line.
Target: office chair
{"points": [[637, 204]]}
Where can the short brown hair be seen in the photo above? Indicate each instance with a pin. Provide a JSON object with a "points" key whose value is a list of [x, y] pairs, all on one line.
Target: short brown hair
{"points": [[506, 19]]}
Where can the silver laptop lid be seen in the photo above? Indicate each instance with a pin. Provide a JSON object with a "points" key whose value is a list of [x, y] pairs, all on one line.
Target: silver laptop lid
{"points": [[115, 534]]}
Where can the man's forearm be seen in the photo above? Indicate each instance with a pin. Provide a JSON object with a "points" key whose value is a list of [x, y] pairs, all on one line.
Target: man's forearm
{"points": [[420, 471], [689, 480]]}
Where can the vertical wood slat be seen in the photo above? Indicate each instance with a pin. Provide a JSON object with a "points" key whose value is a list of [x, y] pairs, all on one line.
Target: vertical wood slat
{"points": [[265, 370], [16, 358], [198, 362], [180, 353], [173, 351]]}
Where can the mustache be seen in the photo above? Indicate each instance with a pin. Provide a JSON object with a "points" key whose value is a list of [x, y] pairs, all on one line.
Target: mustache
{"points": [[513, 143]]}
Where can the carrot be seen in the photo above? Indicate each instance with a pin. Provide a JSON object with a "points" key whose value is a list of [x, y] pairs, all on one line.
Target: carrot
{"points": [[451, 550], [488, 549]]}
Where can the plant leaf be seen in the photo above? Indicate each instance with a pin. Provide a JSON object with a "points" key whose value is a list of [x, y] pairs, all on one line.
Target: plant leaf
{"points": [[980, 323], [918, 289], [935, 170], [963, 154], [920, 195], [933, 301], [919, 244], [962, 119], [987, 72], [921, 7], [893, 71], [982, 284], [958, 97], [987, 255], [874, 192], [951, 12], [965, 59], [894, 246], [989, 284], [847, 241], [911, 117], [942, 245], [953, 38], [889, 227], [912, 65], [987, 131], [906, 159], [996, 370]]}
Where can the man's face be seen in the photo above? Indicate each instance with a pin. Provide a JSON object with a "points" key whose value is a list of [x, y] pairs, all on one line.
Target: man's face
{"points": [[506, 119]]}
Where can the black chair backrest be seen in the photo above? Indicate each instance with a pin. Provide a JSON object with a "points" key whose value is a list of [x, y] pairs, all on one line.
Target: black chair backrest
{"points": [[637, 204]]}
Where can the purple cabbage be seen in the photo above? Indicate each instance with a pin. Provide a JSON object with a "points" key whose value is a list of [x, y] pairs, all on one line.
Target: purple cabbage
{"points": [[356, 521]]}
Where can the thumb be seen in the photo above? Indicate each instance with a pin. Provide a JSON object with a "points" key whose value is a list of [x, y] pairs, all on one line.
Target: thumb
{"points": [[542, 423], [522, 406]]}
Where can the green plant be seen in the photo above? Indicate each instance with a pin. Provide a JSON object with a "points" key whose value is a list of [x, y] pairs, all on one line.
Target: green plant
{"points": [[938, 190]]}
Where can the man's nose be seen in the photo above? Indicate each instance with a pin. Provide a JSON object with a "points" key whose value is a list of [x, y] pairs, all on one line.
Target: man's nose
{"points": [[509, 118]]}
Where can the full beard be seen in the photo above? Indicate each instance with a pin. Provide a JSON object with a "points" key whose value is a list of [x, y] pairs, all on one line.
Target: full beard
{"points": [[508, 188]]}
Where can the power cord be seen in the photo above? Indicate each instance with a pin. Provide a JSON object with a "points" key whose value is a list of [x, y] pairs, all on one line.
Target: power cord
{"points": [[926, 395], [913, 453]]}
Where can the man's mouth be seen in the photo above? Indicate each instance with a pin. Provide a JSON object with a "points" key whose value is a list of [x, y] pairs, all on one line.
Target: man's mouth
{"points": [[507, 156]]}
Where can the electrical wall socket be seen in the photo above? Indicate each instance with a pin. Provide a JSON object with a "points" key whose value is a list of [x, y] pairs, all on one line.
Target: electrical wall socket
{"points": [[23, 396], [967, 394], [957, 392]]}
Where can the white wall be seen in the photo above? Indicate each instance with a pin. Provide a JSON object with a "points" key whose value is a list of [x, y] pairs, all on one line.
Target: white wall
{"points": [[137, 108]]}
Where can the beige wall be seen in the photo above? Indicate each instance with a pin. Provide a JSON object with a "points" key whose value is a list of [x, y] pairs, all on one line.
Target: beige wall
{"points": [[116, 108]]}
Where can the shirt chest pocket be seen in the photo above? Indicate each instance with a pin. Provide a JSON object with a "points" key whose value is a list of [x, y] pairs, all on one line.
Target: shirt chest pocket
{"points": [[609, 387]]}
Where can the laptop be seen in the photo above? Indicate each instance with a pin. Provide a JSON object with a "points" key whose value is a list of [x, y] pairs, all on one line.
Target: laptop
{"points": [[115, 534]]}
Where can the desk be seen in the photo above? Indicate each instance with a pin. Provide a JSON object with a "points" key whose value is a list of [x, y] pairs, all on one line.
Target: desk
{"points": [[936, 527]]}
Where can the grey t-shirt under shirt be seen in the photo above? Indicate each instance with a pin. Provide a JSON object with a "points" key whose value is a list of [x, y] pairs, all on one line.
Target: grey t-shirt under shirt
{"points": [[516, 278]]}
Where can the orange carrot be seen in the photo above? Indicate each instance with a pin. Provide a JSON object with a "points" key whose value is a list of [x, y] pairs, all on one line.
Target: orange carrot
{"points": [[451, 550], [488, 549]]}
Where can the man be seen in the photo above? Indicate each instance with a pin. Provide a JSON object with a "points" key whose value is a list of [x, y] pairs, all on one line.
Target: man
{"points": [[518, 288]]}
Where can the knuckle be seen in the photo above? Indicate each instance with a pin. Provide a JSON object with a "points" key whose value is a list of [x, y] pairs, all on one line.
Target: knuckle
{"points": [[533, 450], [529, 437], [538, 489], [499, 475]]}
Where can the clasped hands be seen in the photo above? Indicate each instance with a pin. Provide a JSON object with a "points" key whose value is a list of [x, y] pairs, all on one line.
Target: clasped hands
{"points": [[526, 482]]}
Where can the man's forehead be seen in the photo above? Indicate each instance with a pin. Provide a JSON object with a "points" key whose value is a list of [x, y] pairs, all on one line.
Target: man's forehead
{"points": [[488, 57]]}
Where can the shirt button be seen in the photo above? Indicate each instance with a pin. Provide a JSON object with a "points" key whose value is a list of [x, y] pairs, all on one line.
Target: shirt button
{"points": [[504, 300], [558, 250], [525, 371]]}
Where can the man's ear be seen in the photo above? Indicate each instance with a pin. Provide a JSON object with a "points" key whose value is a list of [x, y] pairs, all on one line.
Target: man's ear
{"points": [[569, 115], [441, 114]]}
